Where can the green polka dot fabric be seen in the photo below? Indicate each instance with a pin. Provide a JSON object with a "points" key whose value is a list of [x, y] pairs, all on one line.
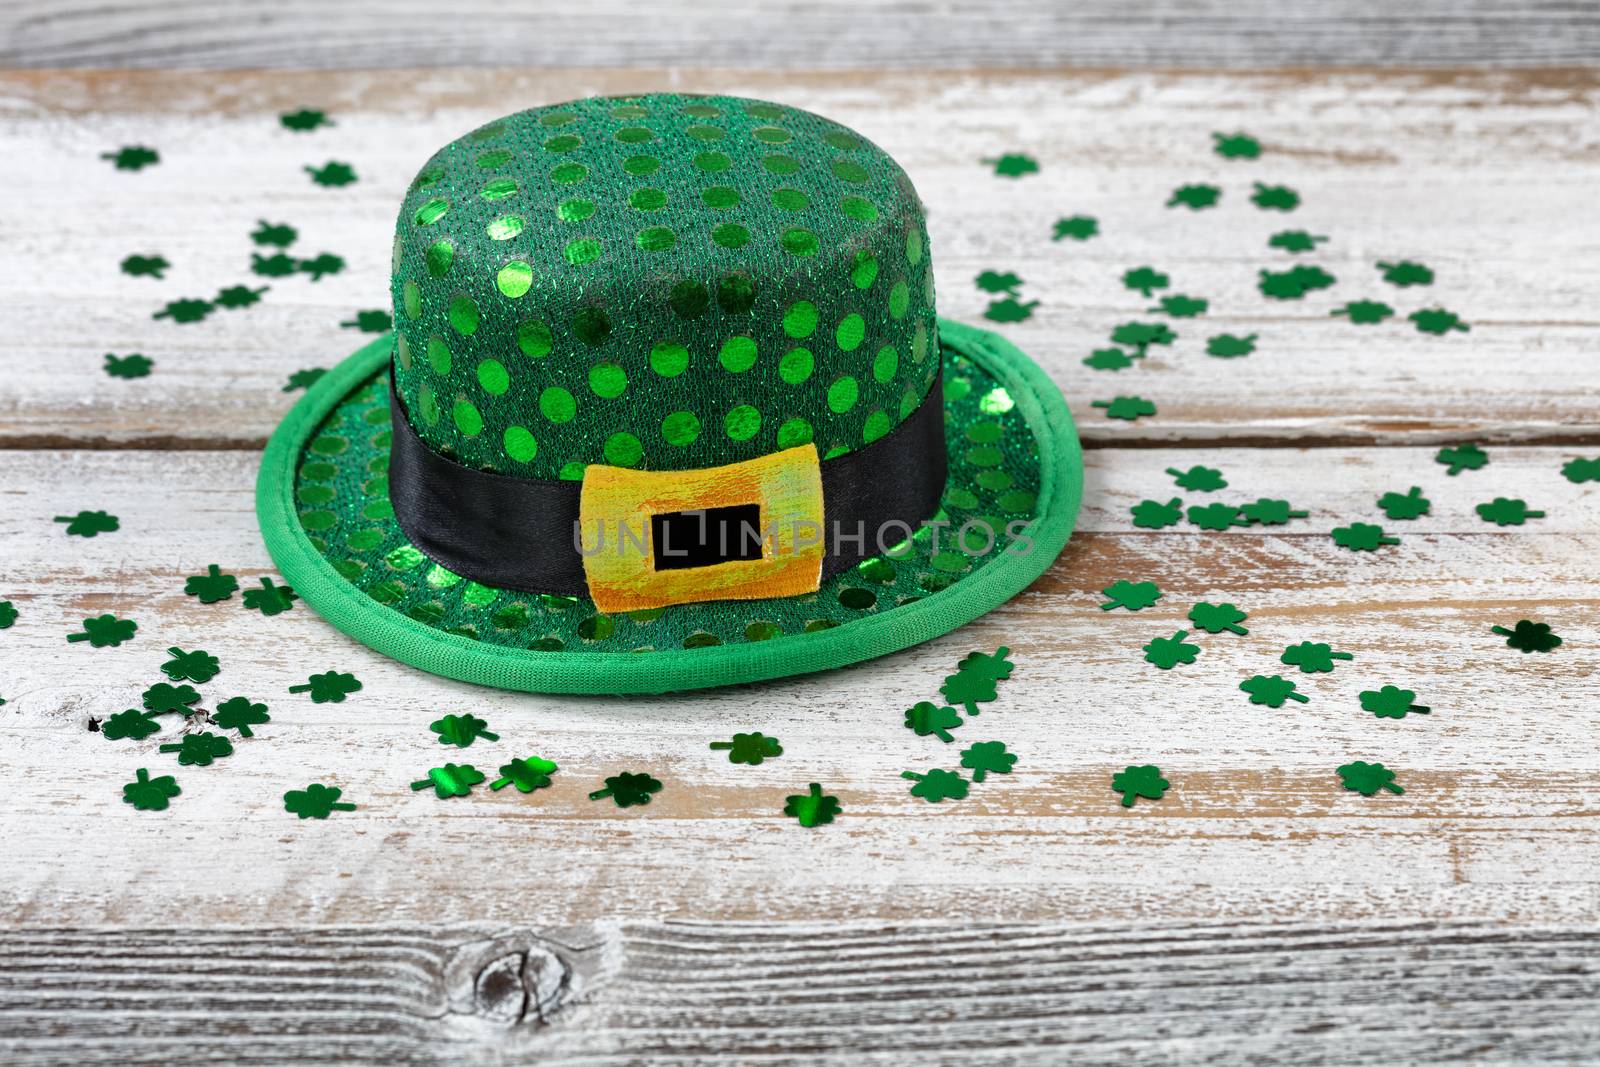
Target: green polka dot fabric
{"points": [[663, 282]]}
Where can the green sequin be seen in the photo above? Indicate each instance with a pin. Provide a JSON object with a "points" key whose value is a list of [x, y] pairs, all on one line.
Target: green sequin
{"points": [[738, 354], [514, 279]]}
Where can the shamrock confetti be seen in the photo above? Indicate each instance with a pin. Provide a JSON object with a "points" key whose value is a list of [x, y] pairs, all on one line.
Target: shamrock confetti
{"points": [[331, 687], [458, 730], [103, 630], [321, 265], [211, 586], [812, 808], [8, 614], [1391, 702], [1194, 197], [1294, 241], [1269, 512], [526, 774], [1364, 311], [278, 265], [1182, 307], [145, 266], [304, 379], [1312, 657], [1507, 512], [749, 748], [131, 723], [274, 234], [1215, 618], [1013, 165], [1145, 280], [1078, 227], [376, 321], [1367, 778], [1135, 596], [304, 120], [1228, 346], [1198, 479], [451, 780], [239, 296], [150, 794], [1009, 310], [1167, 652], [1362, 537], [1461, 458], [199, 750], [975, 678], [1236, 146], [1108, 359], [1438, 321], [238, 713], [163, 698], [185, 310], [88, 523], [993, 282], [1145, 781], [1154, 515], [270, 599], [628, 789], [1141, 335], [1275, 197], [195, 666], [134, 366], [1216, 516], [315, 801], [332, 174], [1271, 690], [986, 756], [132, 157], [926, 717], [934, 786], [1577, 471], [1406, 273], [1294, 283], [1126, 407], [1408, 506], [1529, 636]]}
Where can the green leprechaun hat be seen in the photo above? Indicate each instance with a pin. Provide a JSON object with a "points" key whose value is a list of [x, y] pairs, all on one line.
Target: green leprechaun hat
{"points": [[666, 406]]}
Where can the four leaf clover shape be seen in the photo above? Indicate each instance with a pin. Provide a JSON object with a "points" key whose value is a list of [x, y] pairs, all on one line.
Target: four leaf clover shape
{"points": [[1503, 511], [304, 120], [103, 630], [1142, 335], [1195, 197], [1313, 657], [986, 756], [239, 713], [1578, 471], [133, 366], [995, 282], [1406, 273], [1182, 306], [1125, 407], [150, 794], [1013, 165], [131, 723], [1367, 778], [8, 614], [1145, 280], [211, 586], [161, 699], [1215, 618], [1228, 345], [132, 157], [1391, 702], [199, 750], [526, 774], [1529, 636], [975, 678], [1275, 197], [1467, 457], [373, 321], [1364, 312], [1236, 145], [1112, 359], [1135, 596], [332, 173], [1438, 321], [89, 523], [331, 687], [1411, 505], [1271, 690], [460, 730], [1010, 310], [1217, 516], [1362, 537], [276, 234], [936, 785], [1198, 479], [1167, 652], [1078, 227], [1139, 781], [1295, 241], [927, 718], [270, 599], [196, 666], [1154, 515], [451, 780], [628, 789], [813, 807], [750, 748], [1269, 512], [315, 801]]}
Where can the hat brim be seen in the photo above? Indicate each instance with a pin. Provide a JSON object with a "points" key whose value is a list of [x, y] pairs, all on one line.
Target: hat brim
{"points": [[322, 501]]}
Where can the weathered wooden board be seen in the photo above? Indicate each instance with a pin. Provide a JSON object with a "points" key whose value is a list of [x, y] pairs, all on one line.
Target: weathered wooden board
{"points": [[803, 34], [1482, 176]]}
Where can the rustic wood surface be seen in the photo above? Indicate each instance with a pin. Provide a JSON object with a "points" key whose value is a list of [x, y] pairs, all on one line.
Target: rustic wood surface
{"points": [[1255, 914]]}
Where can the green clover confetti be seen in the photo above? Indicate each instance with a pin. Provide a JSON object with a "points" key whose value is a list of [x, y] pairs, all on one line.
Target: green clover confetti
{"points": [[451, 780], [813, 807], [1271, 690], [375, 321], [1154, 515], [195, 666], [274, 234], [1438, 321], [103, 630], [1364, 312], [304, 121], [927, 718], [315, 801], [1139, 781], [1146, 280], [994, 282], [89, 523], [239, 713], [987, 756], [270, 599], [526, 774], [1167, 652], [145, 266], [1406, 273], [1215, 618], [1194, 197], [132, 157], [8, 614], [150, 794], [1269, 512], [1503, 511], [1141, 335], [1462, 458], [278, 265], [332, 174], [164, 698], [628, 789], [1295, 241], [1108, 359], [201, 749], [1230, 346], [934, 786], [1009, 310], [211, 586], [975, 678], [1013, 165], [1391, 702], [187, 309], [750, 748], [1135, 596], [131, 723], [328, 688], [1578, 471], [321, 265], [304, 379], [132, 366], [1181, 306], [1125, 407], [1216, 516], [1275, 197], [1236, 146], [1409, 505], [1312, 657], [1198, 479], [1367, 778], [1077, 227], [1362, 537], [239, 296], [1529, 636], [461, 730], [1294, 283]]}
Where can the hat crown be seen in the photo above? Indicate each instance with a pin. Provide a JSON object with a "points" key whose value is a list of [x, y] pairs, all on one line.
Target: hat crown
{"points": [[664, 282]]}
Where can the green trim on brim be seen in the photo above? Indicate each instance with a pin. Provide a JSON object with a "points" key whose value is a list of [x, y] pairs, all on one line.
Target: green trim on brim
{"points": [[993, 580]]}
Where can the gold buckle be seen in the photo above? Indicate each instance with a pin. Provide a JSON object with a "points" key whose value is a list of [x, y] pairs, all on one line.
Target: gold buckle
{"points": [[644, 534]]}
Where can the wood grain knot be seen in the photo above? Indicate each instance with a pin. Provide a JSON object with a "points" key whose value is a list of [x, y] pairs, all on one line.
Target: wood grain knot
{"points": [[507, 981]]}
